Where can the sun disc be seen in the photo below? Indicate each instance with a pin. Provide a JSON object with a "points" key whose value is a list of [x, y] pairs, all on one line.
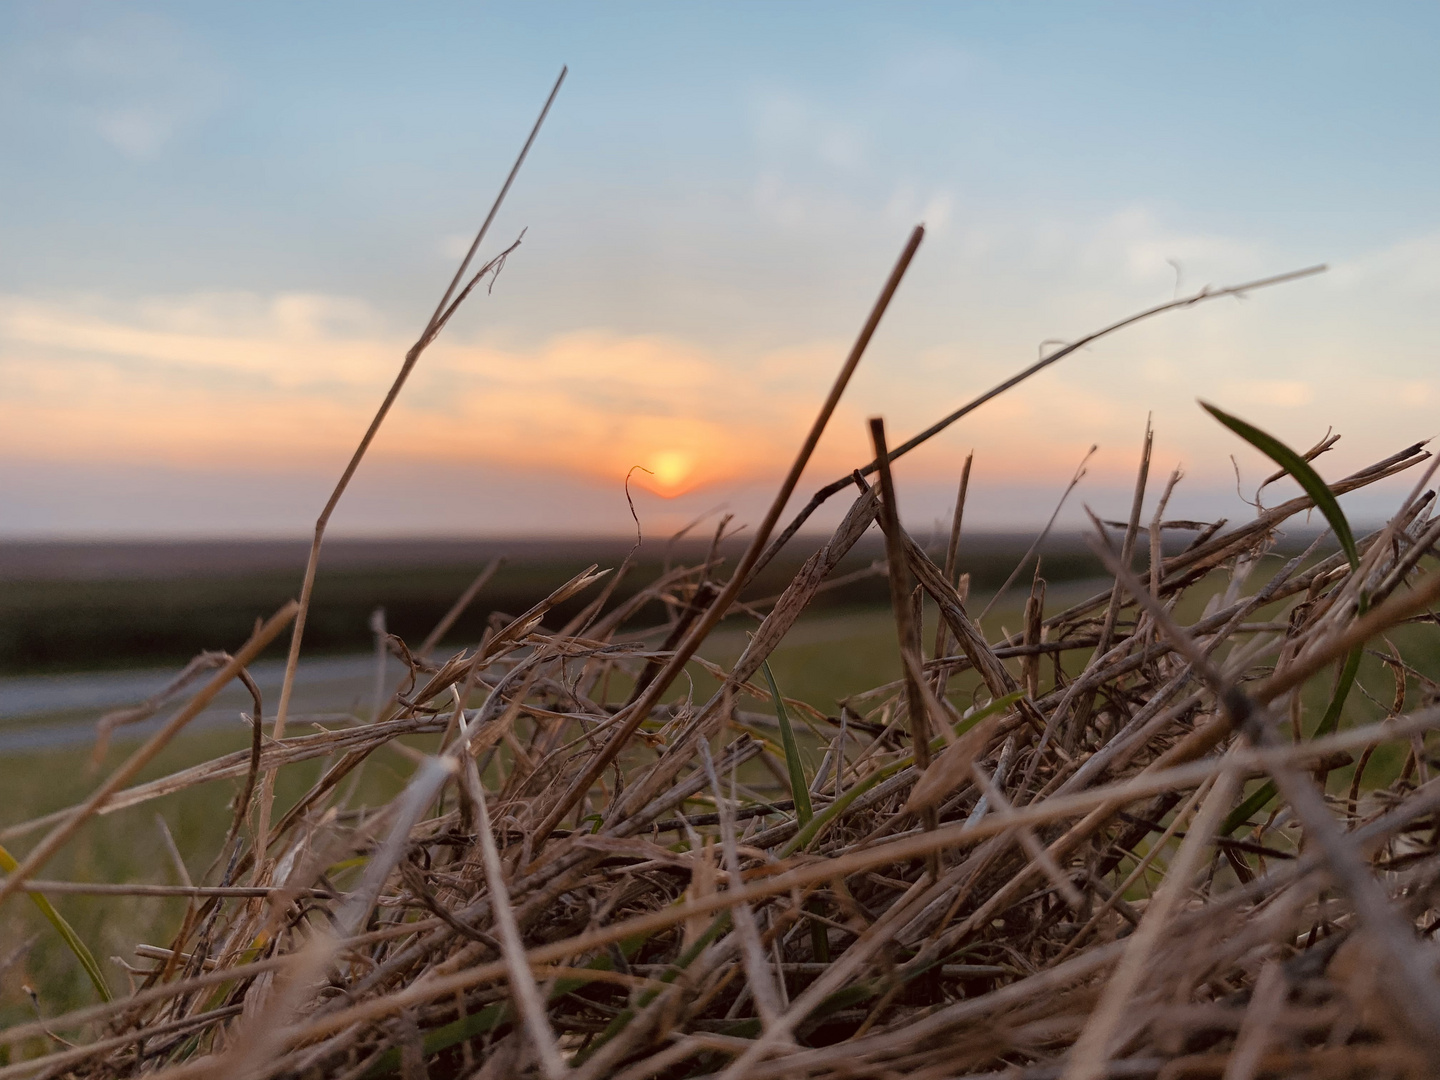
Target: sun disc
{"points": [[670, 468]]}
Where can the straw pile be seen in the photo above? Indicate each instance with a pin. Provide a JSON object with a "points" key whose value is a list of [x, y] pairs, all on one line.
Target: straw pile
{"points": [[1101, 846]]}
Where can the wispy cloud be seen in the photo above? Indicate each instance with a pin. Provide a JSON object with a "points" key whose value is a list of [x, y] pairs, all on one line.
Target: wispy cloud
{"points": [[134, 80], [201, 379], [213, 378], [789, 126]]}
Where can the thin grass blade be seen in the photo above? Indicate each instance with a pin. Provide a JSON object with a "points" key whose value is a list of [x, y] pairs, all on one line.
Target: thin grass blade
{"points": [[64, 929], [799, 786], [807, 834], [1308, 479], [1301, 470]]}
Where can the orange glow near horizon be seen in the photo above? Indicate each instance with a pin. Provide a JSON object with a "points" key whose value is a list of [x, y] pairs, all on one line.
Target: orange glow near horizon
{"points": [[289, 383]]}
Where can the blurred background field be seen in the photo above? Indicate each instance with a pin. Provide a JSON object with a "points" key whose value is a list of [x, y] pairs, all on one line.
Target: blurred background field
{"points": [[86, 606]]}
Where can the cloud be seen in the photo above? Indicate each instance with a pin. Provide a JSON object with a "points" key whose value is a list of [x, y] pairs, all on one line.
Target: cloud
{"points": [[133, 80], [1280, 393], [908, 205], [291, 380], [809, 159], [792, 127], [288, 381], [1408, 268], [455, 246], [227, 377], [290, 341]]}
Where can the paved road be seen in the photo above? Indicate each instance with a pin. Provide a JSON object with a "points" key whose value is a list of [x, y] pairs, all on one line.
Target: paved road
{"points": [[46, 711]]}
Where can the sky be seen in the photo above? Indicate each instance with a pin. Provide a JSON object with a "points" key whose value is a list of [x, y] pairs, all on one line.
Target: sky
{"points": [[222, 226]]}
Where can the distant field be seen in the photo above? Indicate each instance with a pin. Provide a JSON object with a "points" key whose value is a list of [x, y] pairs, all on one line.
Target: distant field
{"points": [[90, 606]]}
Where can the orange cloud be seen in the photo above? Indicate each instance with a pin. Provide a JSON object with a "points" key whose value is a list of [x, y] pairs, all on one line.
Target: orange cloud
{"points": [[242, 381], [234, 380]]}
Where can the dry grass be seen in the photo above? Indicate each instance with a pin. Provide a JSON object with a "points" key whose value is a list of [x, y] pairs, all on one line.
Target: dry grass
{"points": [[1042, 854]]}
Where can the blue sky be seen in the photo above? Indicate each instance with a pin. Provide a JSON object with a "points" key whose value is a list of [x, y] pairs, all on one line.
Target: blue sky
{"points": [[221, 223]]}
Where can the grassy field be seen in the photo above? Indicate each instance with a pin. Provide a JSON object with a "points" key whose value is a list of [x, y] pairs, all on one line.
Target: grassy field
{"points": [[826, 658]]}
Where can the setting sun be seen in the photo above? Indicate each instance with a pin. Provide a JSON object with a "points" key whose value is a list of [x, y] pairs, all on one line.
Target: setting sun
{"points": [[671, 468]]}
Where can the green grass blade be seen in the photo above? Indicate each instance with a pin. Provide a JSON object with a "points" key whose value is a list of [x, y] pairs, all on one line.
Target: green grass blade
{"points": [[808, 833], [1318, 491], [799, 786], [1300, 469], [1328, 724], [800, 792], [718, 926], [1256, 802], [492, 1017], [1331, 720], [64, 929]]}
